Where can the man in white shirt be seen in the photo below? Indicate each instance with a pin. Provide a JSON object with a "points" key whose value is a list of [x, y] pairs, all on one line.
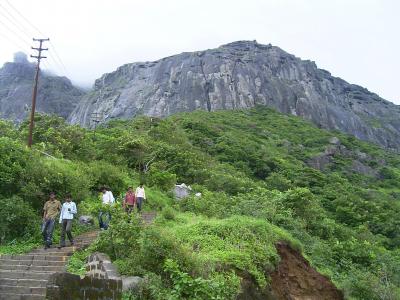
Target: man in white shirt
{"points": [[68, 210], [107, 199], [140, 195]]}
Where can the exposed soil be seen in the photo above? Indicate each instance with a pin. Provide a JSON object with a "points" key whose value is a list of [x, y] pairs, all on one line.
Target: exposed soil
{"points": [[295, 279]]}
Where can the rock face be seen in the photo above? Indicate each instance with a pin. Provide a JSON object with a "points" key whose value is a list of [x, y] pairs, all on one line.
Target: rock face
{"points": [[56, 95], [240, 75]]}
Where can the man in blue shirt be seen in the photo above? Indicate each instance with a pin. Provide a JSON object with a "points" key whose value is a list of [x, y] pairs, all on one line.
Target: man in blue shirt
{"points": [[68, 211]]}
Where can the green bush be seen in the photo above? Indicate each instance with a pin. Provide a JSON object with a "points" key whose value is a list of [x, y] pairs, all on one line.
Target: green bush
{"points": [[17, 220], [13, 163], [164, 180], [103, 173], [62, 177]]}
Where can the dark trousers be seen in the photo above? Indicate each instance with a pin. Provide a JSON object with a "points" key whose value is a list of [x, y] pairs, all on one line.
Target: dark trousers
{"points": [[66, 226], [139, 202], [47, 231], [104, 223], [129, 208]]}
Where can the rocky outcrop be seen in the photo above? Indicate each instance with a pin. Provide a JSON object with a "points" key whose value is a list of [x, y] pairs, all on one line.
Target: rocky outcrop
{"points": [[56, 95], [240, 75]]}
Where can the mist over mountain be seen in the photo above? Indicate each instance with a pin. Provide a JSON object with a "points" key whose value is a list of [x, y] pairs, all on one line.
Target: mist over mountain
{"points": [[56, 95], [239, 75]]}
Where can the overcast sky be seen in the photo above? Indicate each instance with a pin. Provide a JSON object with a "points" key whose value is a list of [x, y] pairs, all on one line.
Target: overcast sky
{"points": [[357, 40]]}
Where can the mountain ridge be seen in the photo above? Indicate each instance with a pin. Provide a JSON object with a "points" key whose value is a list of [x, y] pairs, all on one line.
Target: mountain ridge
{"points": [[238, 75], [56, 94]]}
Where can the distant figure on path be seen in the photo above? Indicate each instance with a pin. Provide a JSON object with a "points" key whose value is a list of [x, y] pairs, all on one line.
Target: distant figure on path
{"points": [[68, 211], [140, 196], [129, 201], [51, 210], [107, 199]]}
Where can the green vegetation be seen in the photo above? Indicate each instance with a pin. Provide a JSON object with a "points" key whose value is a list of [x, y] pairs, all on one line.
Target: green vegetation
{"points": [[254, 171]]}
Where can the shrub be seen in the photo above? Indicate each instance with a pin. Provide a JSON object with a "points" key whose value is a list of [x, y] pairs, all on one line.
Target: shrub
{"points": [[168, 213], [102, 173], [17, 219], [45, 175], [164, 180]]}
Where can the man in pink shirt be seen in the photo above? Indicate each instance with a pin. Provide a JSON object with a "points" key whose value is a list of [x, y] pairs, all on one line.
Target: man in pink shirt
{"points": [[129, 201]]}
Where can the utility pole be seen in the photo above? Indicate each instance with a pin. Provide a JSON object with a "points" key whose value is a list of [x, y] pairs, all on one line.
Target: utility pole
{"points": [[38, 57], [96, 119]]}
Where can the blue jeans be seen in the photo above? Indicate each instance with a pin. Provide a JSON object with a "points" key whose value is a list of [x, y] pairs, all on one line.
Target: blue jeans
{"points": [[139, 202], [47, 231], [104, 223]]}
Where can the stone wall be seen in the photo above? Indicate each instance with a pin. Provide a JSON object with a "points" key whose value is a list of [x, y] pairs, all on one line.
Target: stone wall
{"points": [[99, 265], [66, 286]]}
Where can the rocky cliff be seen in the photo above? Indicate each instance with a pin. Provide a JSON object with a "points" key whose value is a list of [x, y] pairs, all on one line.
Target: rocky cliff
{"points": [[240, 75], [56, 95]]}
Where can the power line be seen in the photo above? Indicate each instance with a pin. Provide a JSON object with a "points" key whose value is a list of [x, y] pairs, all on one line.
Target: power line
{"points": [[15, 33], [56, 53], [58, 63], [13, 42], [23, 17], [12, 20]]}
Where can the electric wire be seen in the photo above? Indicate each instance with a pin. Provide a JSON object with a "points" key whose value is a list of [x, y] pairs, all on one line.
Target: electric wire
{"points": [[57, 61]]}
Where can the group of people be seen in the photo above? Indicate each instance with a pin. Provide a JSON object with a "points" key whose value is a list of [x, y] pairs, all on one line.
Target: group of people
{"points": [[129, 202], [53, 208], [65, 212]]}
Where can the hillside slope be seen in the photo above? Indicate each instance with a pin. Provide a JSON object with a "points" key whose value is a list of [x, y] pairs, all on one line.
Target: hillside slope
{"points": [[265, 179], [242, 74], [56, 95]]}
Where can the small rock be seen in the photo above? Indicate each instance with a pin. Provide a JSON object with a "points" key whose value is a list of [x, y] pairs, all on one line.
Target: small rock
{"points": [[131, 282], [198, 195], [334, 141], [320, 162], [86, 220], [331, 150]]}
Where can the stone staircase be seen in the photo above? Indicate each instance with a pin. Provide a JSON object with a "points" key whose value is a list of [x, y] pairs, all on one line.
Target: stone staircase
{"points": [[148, 217], [26, 276]]}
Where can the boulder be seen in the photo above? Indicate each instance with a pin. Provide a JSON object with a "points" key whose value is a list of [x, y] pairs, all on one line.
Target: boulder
{"points": [[363, 169], [320, 162], [86, 220], [334, 141], [182, 191], [131, 282]]}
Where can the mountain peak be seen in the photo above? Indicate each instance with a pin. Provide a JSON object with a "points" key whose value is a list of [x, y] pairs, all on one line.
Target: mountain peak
{"points": [[237, 75], [20, 58]]}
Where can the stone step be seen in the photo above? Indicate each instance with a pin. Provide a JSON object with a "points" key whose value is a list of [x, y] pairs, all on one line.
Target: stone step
{"points": [[32, 268], [15, 274], [31, 262], [23, 282], [52, 252], [54, 249], [11, 289], [36, 257], [13, 296]]}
